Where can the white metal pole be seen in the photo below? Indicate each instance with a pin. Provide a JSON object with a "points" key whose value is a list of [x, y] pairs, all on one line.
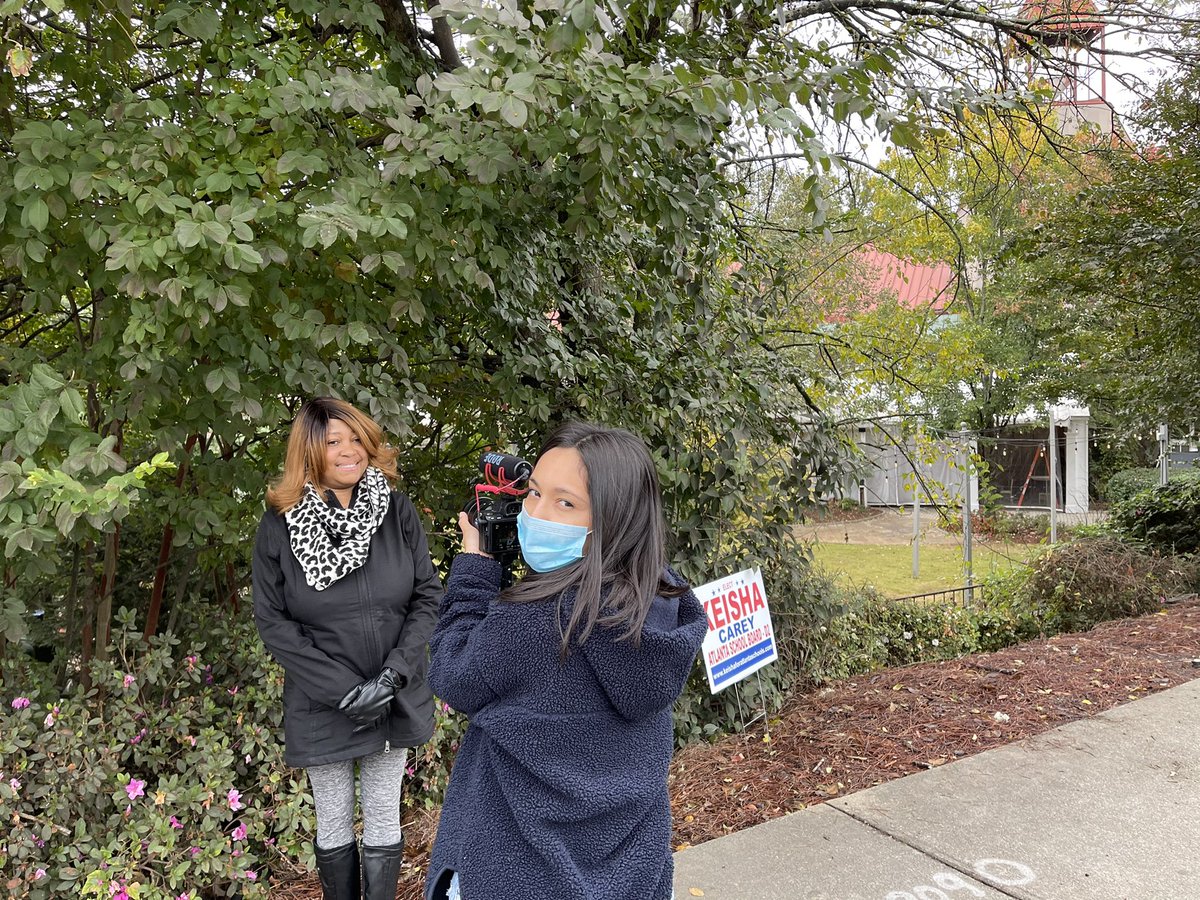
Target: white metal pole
{"points": [[916, 531], [1163, 459], [967, 549], [1053, 480]]}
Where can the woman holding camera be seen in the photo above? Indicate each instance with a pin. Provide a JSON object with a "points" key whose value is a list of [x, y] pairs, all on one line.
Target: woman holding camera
{"points": [[559, 789], [345, 599]]}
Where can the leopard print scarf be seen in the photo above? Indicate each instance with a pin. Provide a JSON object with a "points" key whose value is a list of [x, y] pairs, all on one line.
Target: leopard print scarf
{"points": [[330, 542]]}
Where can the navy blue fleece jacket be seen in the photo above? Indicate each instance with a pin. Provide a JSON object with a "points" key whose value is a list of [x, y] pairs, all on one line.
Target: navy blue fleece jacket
{"points": [[559, 789]]}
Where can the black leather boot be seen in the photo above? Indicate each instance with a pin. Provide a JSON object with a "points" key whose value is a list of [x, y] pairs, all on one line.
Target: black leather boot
{"points": [[381, 870], [338, 868]]}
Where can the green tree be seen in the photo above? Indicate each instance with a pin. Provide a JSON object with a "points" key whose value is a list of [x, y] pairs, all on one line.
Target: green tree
{"points": [[981, 352], [1116, 260], [472, 220]]}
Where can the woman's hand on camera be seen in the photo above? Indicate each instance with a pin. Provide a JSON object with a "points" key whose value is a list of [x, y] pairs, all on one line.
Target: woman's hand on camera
{"points": [[470, 541]]}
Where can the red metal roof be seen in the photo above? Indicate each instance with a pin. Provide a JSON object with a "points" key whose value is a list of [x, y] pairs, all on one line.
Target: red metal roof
{"points": [[914, 285], [1079, 17]]}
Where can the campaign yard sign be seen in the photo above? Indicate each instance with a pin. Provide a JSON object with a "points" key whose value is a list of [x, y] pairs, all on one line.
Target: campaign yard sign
{"points": [[740, 639]]}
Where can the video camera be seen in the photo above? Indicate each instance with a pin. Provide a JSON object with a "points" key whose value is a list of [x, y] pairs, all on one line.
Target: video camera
{"points": [[494, 505]]}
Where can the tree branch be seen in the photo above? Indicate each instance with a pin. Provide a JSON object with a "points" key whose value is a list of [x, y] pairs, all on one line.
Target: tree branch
{"points": [[444, 38]]}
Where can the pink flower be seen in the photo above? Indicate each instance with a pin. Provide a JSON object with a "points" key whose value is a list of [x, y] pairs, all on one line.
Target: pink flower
{"points": [[239, 833], [251, 875], [20, 703], [14, 783], [128, 680], [194, 851], [39, 874], [232, 691], [175, 823], [135, 788], [184, 896], [235, 799], [49, 721]]}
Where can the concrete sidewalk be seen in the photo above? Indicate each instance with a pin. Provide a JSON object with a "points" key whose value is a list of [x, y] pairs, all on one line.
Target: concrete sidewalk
{"points": [[1106, 808]]}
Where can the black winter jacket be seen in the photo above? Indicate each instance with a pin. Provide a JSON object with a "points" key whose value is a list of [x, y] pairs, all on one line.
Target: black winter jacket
{"points": [[381, 614]]}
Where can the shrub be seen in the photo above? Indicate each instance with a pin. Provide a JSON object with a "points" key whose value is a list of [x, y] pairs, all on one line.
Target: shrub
{"points": [[1089, 531], [874, 632], [1004, 615], [1127, 482], [1081, 584], [165, 780], [999, 524], [1123, 485], [429, 765], [1165, 518], [1069, 588]]}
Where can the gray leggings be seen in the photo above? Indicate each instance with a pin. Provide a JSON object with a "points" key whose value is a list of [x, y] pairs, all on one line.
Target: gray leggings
{"points": [[381, 776]]}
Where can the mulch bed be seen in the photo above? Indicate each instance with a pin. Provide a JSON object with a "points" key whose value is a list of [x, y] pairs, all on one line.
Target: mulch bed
{"points": [[870, 729]]}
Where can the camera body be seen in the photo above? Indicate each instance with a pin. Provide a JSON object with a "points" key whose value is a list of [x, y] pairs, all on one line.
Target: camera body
{"points": [[496, 518], [494, 505]]}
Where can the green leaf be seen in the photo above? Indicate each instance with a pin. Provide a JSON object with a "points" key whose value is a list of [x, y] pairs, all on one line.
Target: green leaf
{"points": [[72, 404], [521, 82], [81, 185], [38, 214], [215, 232], [201, 24], [188, 233], [514, 112]]}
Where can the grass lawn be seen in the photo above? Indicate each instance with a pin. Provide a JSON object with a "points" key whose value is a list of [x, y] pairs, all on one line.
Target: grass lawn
{"points": [[889, 567]]}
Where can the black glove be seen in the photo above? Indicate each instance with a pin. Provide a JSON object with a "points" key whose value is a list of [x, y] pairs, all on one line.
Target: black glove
{"points": [[367, 703]]}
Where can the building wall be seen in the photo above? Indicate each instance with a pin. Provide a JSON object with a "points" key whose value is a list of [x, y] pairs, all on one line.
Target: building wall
{"points": [[896, 467]]}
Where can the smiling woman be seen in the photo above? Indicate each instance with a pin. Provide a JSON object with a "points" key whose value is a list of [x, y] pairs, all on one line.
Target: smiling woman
{"points": [[345, 460], [345, 598]]}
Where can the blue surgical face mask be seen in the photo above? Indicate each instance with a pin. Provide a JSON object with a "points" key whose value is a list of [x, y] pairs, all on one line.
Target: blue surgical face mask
{"points": [[547, 546]]}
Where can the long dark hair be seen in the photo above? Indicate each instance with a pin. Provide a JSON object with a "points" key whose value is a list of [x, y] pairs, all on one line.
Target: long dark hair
{"points": [[623, 571]]}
